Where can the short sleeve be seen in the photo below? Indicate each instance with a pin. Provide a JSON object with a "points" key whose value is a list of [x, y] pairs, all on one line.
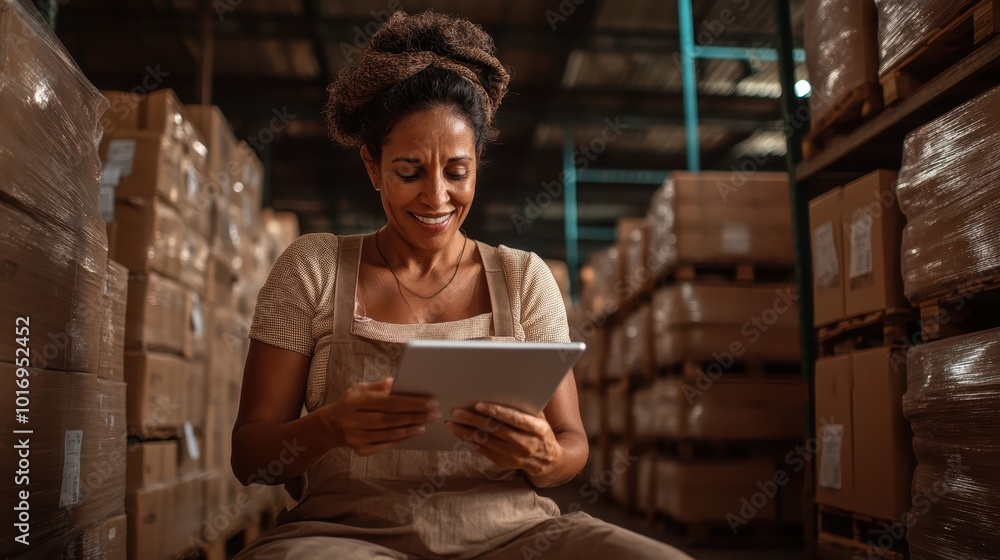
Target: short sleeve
{"points": [[288, 301], [543, 310]]}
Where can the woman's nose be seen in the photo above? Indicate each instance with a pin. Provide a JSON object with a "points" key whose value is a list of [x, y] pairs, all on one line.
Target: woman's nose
{"points": [[435, 193]]}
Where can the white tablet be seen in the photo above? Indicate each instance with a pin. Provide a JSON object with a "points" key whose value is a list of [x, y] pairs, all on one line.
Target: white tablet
{"points": [[458, 373]]}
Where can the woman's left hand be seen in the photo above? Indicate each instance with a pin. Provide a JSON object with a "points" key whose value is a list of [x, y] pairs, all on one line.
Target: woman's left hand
{"points": [[510, 438]]}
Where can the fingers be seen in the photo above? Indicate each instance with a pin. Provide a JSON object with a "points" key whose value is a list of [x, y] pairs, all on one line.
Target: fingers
{"points": [[486, 429], [513, 417], [372, 401]]}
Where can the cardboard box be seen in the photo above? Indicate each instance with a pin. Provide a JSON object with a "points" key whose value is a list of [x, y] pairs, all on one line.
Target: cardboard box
{"points": [[873, 231], [152, 236], [124, 111], [103, 540], [716, 214], [731, 409], [736, 243], [835, 479], [52, 281], [736, 188], [151, 463], [189, 513], [157, 314], [218, 137], [221, 281], [825, 223], [709, 491], [77, 455], [883, 442], [155, 403], [113, 301], [195, 392], [151, 520], [146, 164]]}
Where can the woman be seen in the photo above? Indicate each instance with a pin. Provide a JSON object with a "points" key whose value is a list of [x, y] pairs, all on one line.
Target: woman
{"points": [[334, 312]]}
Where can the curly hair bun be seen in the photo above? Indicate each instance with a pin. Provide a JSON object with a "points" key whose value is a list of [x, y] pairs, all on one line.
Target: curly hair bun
{"points": [[404, 46]]}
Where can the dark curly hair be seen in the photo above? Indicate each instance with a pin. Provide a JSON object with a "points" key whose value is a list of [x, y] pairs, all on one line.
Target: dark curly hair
{"points": [[412, 63]]}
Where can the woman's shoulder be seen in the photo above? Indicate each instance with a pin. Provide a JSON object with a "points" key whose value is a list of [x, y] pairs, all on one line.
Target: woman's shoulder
{"points": [[523, 267]]}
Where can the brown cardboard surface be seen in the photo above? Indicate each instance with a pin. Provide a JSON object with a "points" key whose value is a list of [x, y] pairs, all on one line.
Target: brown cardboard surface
{"points": [[221, 281], [155, 404], [157, 167], [729, 409], [157, 314], [690, 303], [189, 512], [736, 243], [716, 214], [114, 299], [825, 225], [834, 387], [195, 392], [152, 236], [151, 463], [196, 333], [150, 522], [725, 345], [732, 187], [883, 442], [52, 279], [873, 231], [710, 490], [123, 110]]}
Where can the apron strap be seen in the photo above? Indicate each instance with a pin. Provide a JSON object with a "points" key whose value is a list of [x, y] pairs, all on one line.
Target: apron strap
{"points": [[345, 286], [496, 280]]}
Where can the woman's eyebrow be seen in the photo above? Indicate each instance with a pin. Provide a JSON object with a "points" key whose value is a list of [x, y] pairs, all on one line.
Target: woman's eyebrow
{"points": [[459, 158], [406, 160]]}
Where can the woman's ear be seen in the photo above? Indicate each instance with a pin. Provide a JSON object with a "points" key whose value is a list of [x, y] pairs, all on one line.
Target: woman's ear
{"points": [[372, 166]]}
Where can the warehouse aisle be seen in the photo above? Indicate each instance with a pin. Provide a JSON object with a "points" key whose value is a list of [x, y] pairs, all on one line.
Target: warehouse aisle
{"points": [[568, 494]]}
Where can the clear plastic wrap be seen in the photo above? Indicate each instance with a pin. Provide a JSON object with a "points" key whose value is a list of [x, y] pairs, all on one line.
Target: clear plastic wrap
{"points": [[731, 409], [708, 322], [49, 126], [715, 217], [841, 51], [77, 458], [952, 398], [54, 279], [903, 25], [157, 314], [112, 360], [948, 189]]}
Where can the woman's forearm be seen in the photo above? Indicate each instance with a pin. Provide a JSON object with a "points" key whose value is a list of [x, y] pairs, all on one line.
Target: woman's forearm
{"points": [[575, 450], [271, 454]]}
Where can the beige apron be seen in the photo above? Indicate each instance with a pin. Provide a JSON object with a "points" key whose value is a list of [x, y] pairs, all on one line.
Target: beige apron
{"points": [[427, 503]]}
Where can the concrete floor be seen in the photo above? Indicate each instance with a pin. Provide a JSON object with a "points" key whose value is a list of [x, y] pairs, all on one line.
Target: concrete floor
{"points": [[569, 493]]}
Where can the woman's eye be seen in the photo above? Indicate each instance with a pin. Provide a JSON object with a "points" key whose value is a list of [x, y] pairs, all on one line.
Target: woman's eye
{"points": [[409, 178], [458, 176]]}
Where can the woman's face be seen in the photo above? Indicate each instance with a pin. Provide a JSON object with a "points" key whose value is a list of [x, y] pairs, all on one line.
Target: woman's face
{"points": [[427, 176]]}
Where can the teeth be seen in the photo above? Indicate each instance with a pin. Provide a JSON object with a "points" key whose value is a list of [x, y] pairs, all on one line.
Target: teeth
{"points": [[432, 221]]}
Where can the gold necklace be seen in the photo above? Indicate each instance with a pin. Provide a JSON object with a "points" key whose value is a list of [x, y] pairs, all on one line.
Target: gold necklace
{"points": [[400, 285]]}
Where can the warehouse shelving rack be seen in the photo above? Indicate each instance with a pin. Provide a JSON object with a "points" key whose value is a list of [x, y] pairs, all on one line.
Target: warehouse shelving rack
{"points": [[876, 144]]}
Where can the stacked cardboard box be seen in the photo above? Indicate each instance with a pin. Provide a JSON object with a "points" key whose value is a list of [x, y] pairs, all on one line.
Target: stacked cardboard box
{"points": [[865, 457], [186, 220], [61, 297]]}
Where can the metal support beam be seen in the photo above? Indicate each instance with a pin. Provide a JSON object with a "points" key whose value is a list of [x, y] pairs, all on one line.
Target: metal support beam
{"points": [[569, 213], [739, 53], [203, 81], [622, 176], [690, 78]]}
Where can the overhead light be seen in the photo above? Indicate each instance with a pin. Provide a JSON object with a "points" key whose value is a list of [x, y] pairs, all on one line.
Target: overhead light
{"points": [[803, 88]]}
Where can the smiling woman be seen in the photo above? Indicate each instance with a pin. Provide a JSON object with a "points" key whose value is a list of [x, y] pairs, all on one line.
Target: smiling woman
{"points": [[332, 317]]}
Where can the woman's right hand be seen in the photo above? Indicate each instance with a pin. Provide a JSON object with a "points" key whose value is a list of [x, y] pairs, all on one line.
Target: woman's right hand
{"points": [[369, 419]]}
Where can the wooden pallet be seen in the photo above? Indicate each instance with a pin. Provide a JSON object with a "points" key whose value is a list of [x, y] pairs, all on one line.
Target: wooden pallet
{"points": [[851, 109], [887, 327], [741, 272], [839, 529], [693, 369], [242, 534], [943, 47], [971, 307]]}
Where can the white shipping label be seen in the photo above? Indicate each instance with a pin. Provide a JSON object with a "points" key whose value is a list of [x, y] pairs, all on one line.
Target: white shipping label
{"points": [[69, 494], [121, 153], [735, 239], [111, 175], [832, 438], [192, 182], [197, 321], [191, 440], [861, 247], [826, 265]]}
